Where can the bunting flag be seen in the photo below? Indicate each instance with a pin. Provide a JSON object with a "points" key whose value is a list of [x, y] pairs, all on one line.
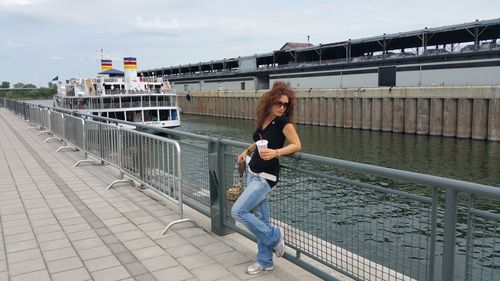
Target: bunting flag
{"points": [[129, 63], [106, 65], [55, 78]]}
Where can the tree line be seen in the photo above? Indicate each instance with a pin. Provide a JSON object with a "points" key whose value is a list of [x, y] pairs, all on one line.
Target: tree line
{"points": [[31, 92]]}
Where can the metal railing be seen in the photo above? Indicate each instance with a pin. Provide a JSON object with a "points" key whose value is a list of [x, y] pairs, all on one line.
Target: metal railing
{"points": [[152, 161], [365, 221]]}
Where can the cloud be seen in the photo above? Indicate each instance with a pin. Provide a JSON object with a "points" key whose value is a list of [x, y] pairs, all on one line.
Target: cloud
{"points": [[55, 58], [16, 2], [12, 44]]}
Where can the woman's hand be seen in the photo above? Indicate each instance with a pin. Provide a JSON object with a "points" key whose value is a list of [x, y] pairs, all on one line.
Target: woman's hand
{"points": [[268, 154], [242, 157]]}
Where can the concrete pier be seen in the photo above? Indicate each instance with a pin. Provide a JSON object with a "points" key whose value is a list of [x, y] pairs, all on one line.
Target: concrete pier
{"points": [[464, 112]]}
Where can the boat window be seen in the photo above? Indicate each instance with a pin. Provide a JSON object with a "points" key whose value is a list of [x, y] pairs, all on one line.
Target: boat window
{"points": [[116, 102], [164, 115], [174, 114], [120, 115], [136, 101], [107, 103], [126, 102], [96, 103], [150, 115], [145, 101], [154, 100]]}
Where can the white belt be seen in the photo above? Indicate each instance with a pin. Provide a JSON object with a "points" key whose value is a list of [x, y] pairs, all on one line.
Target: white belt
{"points": [[263, 175]]}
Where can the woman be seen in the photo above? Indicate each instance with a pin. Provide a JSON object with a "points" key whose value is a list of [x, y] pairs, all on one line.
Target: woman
{"points": [[274, 124]]}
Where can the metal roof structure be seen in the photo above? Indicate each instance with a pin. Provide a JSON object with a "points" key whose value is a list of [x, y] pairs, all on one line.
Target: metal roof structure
{"points": [[422, 39]]}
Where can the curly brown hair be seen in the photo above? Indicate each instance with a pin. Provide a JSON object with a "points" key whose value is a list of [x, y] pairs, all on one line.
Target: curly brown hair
{"points": [[271, 97]]}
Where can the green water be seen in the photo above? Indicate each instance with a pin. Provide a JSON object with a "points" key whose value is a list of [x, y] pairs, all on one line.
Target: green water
{"points": [[463, 159]]}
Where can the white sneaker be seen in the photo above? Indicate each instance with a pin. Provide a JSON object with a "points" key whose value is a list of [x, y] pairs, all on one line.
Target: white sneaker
{"points": [[258, 268], [279, 249]]}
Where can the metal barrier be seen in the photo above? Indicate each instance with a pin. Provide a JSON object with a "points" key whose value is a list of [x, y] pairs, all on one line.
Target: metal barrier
{"points": [[74, 131], [35, 117], [56, 126], [365, 221]]}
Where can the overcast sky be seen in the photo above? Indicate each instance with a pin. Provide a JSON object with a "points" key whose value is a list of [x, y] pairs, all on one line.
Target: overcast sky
{"points": [[41, 39]]}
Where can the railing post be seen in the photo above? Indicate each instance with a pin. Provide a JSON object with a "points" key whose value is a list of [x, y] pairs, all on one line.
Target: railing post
{"points": [[450, 225], [217, 195]]}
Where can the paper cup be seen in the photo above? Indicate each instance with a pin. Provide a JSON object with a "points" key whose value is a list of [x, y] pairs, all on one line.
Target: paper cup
{"points": [[261, 144]]}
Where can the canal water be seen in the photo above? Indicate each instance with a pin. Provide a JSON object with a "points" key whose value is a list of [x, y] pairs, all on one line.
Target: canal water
{"points": [[463, 159]]}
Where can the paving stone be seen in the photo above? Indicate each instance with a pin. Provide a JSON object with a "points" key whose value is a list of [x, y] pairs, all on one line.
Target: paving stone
{"points": [[115, 221], [136, 268], [20, 246], [72, 221], [76, 228], [130, 235], [148, 252], [41, 275], [17, 230], [176, 273], [145, 277], [196, 261], [51, 236], [19, 237], [25, 255], [183, 250], [47, 228], [203, 240], [231, 258], [111, 274], [191, 232], [159, 263], [170, 241], [109, 239], [64, 264], [101, 263], [126, 257], [139, 243], [59, 254], [211, 272], [75, 236], [87, 243], [117, 248], [93, 253], [79, 274], [124, 227], [55, 244], [26, 266], [215, 249]]}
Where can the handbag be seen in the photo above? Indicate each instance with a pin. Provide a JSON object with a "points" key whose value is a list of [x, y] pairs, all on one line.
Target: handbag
{"points": [[234, 191]]}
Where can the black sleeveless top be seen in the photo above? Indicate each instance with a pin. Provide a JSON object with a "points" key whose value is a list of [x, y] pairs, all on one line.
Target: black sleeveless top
{"points": [[273, 133]]}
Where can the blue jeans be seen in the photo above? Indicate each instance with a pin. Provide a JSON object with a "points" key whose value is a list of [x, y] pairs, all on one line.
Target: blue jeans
{"points": [[252, 209]]}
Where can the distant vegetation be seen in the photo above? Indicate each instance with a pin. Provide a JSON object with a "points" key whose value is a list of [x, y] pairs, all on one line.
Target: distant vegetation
{"points": [[31, 92]]}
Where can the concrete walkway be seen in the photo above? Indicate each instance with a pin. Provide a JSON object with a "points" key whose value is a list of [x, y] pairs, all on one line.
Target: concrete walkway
{"points": [[58, 223]]}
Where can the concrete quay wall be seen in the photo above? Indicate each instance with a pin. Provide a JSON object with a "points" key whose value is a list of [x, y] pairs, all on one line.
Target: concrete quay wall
{"points": [[462, 112]]}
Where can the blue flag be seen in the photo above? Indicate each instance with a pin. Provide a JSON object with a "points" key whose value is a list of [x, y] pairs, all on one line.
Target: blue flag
{"points": [[55, 78]]}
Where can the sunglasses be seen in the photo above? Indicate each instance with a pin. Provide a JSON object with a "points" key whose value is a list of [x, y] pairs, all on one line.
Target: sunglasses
{"points": [[280, 104]]}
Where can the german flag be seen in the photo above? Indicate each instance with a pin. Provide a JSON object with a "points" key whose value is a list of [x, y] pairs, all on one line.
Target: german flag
{"points": [[129, 63], [106, 65]]}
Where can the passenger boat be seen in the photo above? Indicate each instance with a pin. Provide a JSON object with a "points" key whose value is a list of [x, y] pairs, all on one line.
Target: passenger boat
{"points": [[122, 95]]}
